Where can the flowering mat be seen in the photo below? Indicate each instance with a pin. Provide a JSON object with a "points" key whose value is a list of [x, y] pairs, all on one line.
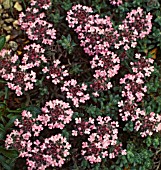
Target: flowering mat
{"points": [[82, 89]]}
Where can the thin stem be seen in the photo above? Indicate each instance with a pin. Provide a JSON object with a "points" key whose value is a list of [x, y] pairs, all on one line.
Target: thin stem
{"points": [[13, 111], [2, 81], [41, 80], [158, 165], [6, 94], [24, 4], [158, 152], [27, 100]]}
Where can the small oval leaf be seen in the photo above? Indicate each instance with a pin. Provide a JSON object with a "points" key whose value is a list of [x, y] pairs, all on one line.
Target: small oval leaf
{"points": [[2, 41]]}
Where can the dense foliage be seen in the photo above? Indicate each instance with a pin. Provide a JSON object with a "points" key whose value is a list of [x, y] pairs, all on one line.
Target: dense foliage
{"points": [[85, 91]]}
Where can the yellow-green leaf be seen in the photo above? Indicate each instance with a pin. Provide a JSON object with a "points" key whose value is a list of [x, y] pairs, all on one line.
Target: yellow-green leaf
{"points": [[154, 53]]}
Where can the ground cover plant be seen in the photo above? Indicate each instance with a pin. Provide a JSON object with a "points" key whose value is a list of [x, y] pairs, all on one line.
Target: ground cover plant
{"points": [[82, 91]]}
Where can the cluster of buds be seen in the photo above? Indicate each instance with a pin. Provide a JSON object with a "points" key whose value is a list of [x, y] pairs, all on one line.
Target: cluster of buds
{"points": [[102, 139], [40, 153], [75, 92]]}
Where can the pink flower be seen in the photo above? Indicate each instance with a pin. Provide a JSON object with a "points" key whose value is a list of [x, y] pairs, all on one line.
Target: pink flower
{"points": [[159, 127], [123, 152]]}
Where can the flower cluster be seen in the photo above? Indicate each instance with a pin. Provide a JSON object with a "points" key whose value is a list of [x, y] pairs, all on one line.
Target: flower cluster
{"points": [[39, 152], [17, 80], [99, 85], [115, 2], [75, 92], [142, 65], [55, 72], [134, 89], [49, 153], [97, 34], [27, 128], [22, 82], [106, 66], [18, 73], [34, 23], [33, 57], [102, 139], [7, 64], [28, 18], [42, 4], [146, 123], [56, 114], [136, 26], [36, 27], [133, 93]]}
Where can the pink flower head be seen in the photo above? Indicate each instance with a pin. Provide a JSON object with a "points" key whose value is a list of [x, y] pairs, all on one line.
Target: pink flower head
{"points": [[56, 72], [56, 114], [75, 92], [101, 143]]}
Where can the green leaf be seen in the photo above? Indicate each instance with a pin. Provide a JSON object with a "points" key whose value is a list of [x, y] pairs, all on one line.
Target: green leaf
{"points": [[2, 108], [24, 4], [148, 141], [97, 167], [10, 123], [84, 164], [130, 156], [66, 5], [13, 116], [2, 132], [2, 161], [156, 142], [9, 153], [35, 111], [65, 133], [2, 41]]}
